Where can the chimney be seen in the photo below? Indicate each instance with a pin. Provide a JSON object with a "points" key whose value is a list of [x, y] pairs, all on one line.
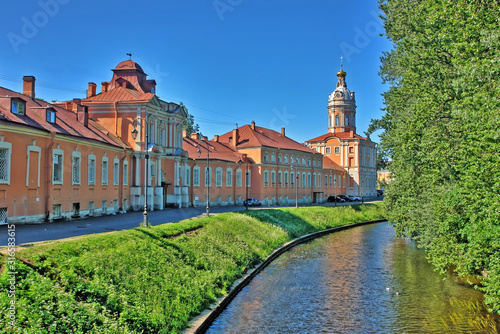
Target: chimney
{"points": [[29, 86], [205, 138], [282, 132], [235, 137], [195, 135], [82, 114], [76, 102], [253, 126], [92, 89], [184, 133], [216, 138], [104, 86], [351, 133]]}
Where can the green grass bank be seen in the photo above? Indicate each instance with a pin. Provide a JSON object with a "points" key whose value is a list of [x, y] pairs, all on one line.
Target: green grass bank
{"points": [[151, 280]]}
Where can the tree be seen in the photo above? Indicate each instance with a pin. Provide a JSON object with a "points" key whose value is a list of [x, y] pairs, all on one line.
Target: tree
{"points": [[188, 123], [441, 129]]}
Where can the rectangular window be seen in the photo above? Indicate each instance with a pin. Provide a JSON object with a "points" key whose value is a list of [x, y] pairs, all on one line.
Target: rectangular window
{"points": [[91, 208], [196, 176], [280, 177], [51, 116], [208, 176], [125, 174], [4, 164], [116, 173], [56, 211], [3, 216], [266, 178], [292, 178], [238, 177], [218, 177], [229, 177], [76, 170], [188, 176], [303, 179], [58, 165], [18, 107], [104, 178], [273, 177], [286, 179], [328, 151], [337, 150], [92, 172]]}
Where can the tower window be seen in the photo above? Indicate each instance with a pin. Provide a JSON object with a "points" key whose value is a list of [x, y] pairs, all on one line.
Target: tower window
{"points": [[337, 120], [347, 120]]}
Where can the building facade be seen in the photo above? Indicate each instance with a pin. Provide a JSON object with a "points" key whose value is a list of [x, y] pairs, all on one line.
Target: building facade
{"points": [[112, 150], [356, 154], [256, 162], [56, 163]]}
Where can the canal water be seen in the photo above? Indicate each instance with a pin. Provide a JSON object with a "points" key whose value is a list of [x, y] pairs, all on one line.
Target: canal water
{"points": [[360, 280]]}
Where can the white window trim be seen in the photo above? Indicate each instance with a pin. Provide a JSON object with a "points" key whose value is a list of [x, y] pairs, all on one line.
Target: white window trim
{"points": [[91, 157], [187, 179], [78, 155], [196, 169], [57, 151], [8, 147], [104, 181], [31, 148], [218, 182], [239, 177], [229, 177], [116, 178], [125, 173]]}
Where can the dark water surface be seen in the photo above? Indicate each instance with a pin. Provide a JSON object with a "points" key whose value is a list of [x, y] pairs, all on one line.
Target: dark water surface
{"points": [[360, 280]]}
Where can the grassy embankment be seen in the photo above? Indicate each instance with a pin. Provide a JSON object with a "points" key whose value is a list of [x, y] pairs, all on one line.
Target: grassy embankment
{"points": [[152, 280]]}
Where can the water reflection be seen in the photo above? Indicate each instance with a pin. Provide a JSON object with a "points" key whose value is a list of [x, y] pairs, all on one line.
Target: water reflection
{"points": [[356, 281]]}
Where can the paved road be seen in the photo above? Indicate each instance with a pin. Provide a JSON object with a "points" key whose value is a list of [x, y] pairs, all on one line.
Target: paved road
{"points": [[25, 234]]}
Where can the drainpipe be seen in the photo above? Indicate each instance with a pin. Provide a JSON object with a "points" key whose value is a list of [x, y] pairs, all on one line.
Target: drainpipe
{"points": [[48, 169], [116, 118]]}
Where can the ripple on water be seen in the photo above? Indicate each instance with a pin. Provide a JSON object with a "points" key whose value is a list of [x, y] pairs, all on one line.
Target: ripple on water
{"points": [[360, 280]]}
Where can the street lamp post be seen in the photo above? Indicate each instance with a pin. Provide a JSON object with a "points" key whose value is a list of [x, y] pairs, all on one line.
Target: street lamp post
{"points": [[207, 175], [146, 164]]}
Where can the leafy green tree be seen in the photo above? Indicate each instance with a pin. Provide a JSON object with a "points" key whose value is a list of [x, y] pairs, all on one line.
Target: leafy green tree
{"points": [[189, 124], [441, 127]]}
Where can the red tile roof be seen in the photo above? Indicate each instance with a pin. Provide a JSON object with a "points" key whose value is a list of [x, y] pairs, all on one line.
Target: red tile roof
{"points": [[264, 137], [66, 122], [121, 94], [329, 164], [340, 135], [218, 150]]}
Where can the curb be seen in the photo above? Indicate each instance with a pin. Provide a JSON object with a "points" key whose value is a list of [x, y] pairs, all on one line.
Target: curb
{"points": [[230, 296]]}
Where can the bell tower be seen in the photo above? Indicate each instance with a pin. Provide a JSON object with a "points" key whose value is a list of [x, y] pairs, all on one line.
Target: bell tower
{"points": [[341, 106]]}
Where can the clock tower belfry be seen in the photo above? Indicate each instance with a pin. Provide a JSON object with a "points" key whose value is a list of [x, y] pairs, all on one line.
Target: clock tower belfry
{"points": [[341, 106]]}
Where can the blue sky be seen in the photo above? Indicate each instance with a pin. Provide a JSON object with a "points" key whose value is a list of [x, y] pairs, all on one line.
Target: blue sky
{"points": [[229, 61]]}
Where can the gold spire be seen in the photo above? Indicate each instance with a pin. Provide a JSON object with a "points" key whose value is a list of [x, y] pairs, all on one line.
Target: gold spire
{"points": [[341, 73]]}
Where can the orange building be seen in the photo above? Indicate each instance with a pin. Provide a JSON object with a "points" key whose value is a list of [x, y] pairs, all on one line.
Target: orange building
{"points": [[56, 163], [356, 154], [97, 155], [128, 104], [277, 168]]}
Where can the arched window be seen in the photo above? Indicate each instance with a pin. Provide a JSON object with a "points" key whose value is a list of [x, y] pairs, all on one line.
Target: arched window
{"points": [[347, 120], [337, 120]]}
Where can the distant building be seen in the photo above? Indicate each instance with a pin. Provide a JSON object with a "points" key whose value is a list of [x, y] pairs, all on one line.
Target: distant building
{"points": [[356, 154], [278, 169]]}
